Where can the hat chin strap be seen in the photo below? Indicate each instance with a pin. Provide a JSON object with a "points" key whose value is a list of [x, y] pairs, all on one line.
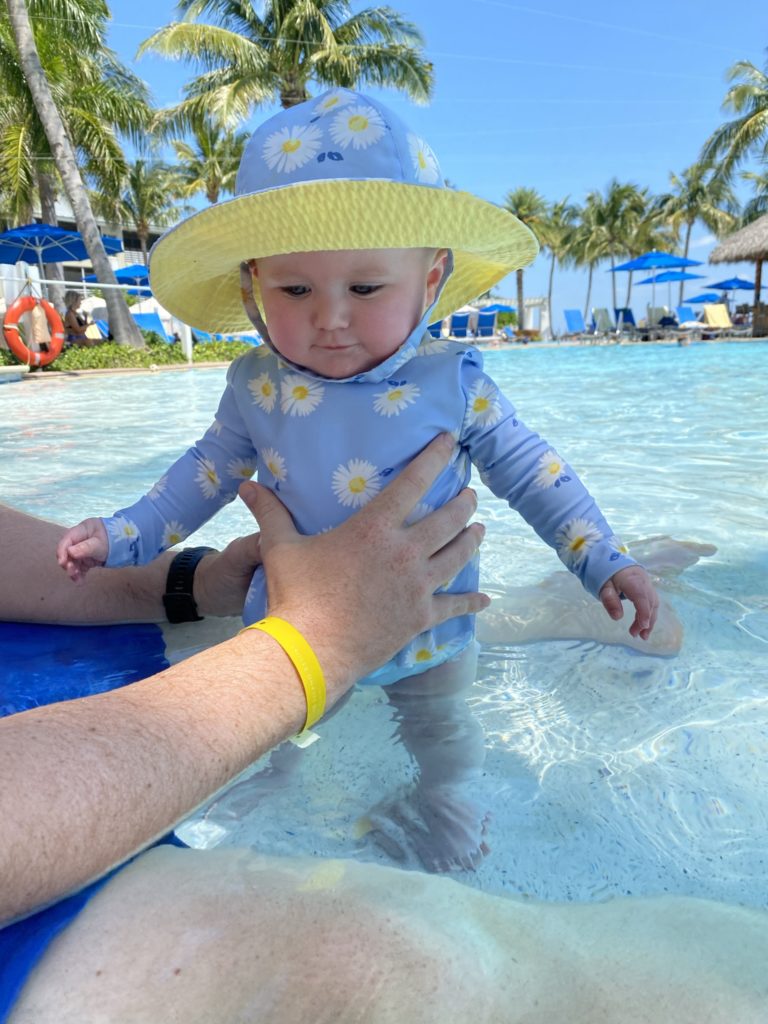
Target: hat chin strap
{"points": [[250, 305], [253, 312]]}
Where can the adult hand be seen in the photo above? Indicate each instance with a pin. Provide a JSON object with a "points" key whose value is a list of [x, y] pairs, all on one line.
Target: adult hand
{"points": [[635, 585], [222, 578], [362, 591]]}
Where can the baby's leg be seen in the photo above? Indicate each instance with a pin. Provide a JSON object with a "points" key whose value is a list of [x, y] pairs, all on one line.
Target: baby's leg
{"points": [[439, 820]]}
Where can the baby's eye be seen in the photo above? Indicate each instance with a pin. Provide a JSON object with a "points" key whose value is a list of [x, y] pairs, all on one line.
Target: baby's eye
{"points": [[296, 290], [364, 289]]}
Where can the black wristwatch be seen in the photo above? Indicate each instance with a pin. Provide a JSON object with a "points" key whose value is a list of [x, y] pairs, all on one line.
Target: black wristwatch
{"points": [[178, 598]]}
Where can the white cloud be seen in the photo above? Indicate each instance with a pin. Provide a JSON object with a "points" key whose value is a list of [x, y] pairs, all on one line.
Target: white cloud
{"points": [[699, 243]]}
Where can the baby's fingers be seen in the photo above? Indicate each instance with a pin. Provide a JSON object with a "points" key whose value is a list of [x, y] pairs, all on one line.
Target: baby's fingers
{"points": [[610, 600], [90, 550], [646, 610]]}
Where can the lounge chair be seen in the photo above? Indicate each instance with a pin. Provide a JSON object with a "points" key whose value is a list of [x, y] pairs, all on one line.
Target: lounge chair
{"points": [[687, 320], [716, 318], [103, 326], [604, 326], [508, 333], [152, 322], [459, 325], [436, 330], [486, 324], [625, 321], [575, 326]]}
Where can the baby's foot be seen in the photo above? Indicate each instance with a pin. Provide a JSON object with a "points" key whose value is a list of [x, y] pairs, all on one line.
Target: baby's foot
{"points": [[440, 825]]}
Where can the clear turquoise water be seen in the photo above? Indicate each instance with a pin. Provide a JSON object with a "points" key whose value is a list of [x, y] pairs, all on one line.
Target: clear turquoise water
{"points": [[608, 771]]}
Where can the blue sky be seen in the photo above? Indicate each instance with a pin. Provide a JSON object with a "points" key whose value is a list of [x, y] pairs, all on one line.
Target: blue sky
{"points": [[552, 95]]}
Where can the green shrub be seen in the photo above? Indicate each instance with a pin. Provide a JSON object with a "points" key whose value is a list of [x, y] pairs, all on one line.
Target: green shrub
{"points": [[157, 352], [219, 351]]}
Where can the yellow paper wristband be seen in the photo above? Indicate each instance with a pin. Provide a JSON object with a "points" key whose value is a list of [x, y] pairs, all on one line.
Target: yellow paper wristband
{"points": [[304, 661]]}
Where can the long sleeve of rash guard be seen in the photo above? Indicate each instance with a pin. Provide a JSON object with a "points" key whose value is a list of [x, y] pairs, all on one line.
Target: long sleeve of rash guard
{"points": [[519, 466]]}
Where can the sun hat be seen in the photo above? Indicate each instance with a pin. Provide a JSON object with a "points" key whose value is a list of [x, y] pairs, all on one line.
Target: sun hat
{"points": [[339, 171]]}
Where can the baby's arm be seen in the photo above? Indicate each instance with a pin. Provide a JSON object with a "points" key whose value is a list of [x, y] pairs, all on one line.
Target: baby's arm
{"points": [[195, 487], [522, 467], [82, 547]]}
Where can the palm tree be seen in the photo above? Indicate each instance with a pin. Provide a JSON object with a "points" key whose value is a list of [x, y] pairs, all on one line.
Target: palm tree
{"points": [[645, 229], [699, 193], [530, 207], [758, 204], [555, 233], [249, 59], [210, 165], [613, 216], [747, 133], [146, 199], [90, 18]]}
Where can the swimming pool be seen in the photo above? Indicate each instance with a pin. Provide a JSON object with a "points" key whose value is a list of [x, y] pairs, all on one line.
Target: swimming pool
{"points": [[608, 771]]}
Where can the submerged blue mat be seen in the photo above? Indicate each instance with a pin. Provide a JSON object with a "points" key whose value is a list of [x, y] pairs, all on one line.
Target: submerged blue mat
{"points": [[43, 664]]}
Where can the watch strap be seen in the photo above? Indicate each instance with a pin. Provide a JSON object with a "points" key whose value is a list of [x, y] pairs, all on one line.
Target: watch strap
{"points": [[178, 599]]}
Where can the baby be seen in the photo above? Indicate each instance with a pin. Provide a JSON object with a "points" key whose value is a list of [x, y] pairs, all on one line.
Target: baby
{"points": [[352, 246]]}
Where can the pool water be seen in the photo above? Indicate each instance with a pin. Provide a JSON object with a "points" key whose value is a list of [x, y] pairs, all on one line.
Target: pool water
{"points": [[608, 771]]}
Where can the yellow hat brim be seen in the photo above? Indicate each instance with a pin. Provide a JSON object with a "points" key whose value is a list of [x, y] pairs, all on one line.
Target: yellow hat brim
{"points": [[195, 267]]}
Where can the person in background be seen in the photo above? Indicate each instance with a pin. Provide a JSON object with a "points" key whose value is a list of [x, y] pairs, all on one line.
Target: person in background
{"points": [[76, 323]]}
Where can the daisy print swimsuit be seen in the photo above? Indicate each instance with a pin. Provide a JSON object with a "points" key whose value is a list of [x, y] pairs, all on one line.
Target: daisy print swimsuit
{"points": [[327, 446]]}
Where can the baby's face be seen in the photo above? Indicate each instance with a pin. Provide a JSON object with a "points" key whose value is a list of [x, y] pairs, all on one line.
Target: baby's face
{"points": [[341, 313]]}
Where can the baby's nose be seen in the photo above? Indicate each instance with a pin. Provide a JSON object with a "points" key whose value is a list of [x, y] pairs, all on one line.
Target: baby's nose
{"points": [[330, 313]]}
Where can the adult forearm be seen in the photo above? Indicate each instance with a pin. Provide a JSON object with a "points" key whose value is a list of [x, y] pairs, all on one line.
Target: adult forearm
{"points": [[98, 779]]}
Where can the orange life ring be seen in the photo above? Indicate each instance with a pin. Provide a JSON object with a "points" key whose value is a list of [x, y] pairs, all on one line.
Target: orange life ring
{"points": [[22, 305]]}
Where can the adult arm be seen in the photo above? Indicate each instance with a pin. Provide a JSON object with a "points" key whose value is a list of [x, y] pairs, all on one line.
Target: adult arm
{"points": [[89, 782], [34, 589]]}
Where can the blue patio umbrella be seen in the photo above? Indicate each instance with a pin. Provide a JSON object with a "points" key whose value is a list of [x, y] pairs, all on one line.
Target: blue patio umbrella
{"points": [[655, 260], [136, 274], [704, 297], [733, 283], [48, 243], [497, 307]]}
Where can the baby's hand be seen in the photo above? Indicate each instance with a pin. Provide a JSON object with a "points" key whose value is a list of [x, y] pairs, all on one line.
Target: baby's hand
{"points": [[83, 547], [634, 583]]}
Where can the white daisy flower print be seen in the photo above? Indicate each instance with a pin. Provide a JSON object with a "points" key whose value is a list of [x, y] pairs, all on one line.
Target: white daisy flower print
{"points": [[392, 401], [432, 346], [215, 428], [264, 391], [359, 127], [484, 407], [275, 463], [241, 469], [122, 528], [421, 651], [356, 483], [619, 548], [208, 478], [424, 161], [157, 488], [299, 396], [551, 471], [289, 148], [575, 539], [174, 533], [333, 101]]}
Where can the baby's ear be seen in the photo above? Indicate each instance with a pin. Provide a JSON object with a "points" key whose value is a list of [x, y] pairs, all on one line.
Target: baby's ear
{"points": [[435, 273]]}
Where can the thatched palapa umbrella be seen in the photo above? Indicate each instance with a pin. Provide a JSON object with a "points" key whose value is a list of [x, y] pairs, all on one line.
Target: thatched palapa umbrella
{"points": [[748, 245]]}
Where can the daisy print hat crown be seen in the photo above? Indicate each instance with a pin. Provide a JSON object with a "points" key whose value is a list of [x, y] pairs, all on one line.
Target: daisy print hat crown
{"points": [[339, 171]]}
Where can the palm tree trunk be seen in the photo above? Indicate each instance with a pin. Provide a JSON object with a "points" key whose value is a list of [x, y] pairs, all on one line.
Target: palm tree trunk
{"points": [[628, 301], [613, 280], [47, 193], [121, 323], [757, 323], [688, 230], [589, 291], [520, 303], [549, 292]]}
